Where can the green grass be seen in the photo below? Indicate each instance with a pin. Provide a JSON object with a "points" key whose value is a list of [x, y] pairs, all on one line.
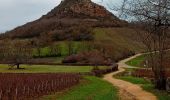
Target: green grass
{"points": [[146, 85], [137, 62], [63, 46], [47, 69], [161, 95], [134, 80], [130, 69], [92, 89]]}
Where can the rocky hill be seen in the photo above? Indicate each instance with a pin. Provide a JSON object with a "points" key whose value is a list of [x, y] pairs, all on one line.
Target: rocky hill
{"points": [[80, 9], [65, 18]]}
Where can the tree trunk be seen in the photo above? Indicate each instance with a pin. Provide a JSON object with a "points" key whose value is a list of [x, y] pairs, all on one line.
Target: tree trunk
{"points": [[18, 66], [39, 52], [160, 83]]}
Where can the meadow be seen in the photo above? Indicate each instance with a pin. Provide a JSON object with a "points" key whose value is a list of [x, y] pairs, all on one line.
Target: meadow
{"points": [[48, 69]]}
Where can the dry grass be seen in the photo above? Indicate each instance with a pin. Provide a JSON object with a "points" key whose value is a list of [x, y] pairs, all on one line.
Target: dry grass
{"points": [[122, 40]]}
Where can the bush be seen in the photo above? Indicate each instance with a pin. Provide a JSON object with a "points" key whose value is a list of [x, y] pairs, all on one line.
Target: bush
{"points": [[71, 59], [76, 33], [88, 57], [100, 72]]}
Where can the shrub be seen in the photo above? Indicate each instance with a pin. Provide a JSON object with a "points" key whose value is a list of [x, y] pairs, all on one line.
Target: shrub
{"points": [[88, 57], [100, 72]]}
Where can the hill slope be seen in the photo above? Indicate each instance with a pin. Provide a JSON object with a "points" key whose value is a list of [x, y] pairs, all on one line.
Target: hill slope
{"points": [[72, 16], [70, 13]]}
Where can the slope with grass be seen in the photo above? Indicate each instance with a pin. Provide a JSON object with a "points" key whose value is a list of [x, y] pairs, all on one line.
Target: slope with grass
{"points": [[122, 38], [122, 41], [137, 62], [91, 88]]}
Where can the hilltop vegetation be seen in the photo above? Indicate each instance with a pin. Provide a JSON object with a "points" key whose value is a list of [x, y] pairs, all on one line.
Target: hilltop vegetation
{"points": [[74, 28]]}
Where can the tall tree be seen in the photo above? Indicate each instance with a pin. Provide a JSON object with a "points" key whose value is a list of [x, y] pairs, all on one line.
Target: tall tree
{"points": [[153, 18], [55, 50], [15, 52], [40, 42], [70, 46]]}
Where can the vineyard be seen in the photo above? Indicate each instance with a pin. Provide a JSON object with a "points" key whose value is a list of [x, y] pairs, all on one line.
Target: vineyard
{"points": [[143, 73], [24, 86], [147, 73]]}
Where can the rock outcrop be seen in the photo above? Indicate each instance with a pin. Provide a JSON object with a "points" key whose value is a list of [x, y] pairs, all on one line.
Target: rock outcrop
{"points": [[69, 14], [80, 8]]}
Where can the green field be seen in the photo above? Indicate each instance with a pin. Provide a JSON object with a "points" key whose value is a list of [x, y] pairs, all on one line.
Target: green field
{"points": [[62, 46], [47, 69], [134, 80], [137, 62], [92, 88]]}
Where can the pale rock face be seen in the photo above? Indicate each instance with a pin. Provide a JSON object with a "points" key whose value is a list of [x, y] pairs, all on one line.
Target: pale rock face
{"points": [[81, 7], [90, 9]]}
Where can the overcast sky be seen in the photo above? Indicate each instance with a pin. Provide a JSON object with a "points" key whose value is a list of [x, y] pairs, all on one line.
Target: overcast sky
{"points": [[14, 13]]}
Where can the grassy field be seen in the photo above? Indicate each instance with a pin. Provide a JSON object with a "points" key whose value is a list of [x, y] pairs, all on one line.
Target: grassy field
{"points": [[92, 88], [62, 46], [134, 80], [47, 69], [137, 62]]}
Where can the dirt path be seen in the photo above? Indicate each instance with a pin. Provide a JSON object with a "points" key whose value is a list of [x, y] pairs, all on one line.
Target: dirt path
{"points": [[128, 91]]}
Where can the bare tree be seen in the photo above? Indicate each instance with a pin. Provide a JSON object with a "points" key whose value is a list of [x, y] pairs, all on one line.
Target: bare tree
{"points": [[55, 50], [96, 58], [15, 52], [153, 18], [70, 45], [41, 42]]}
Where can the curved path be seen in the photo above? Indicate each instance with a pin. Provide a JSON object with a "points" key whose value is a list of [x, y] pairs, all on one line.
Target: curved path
{"points": [[128, 91]]}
